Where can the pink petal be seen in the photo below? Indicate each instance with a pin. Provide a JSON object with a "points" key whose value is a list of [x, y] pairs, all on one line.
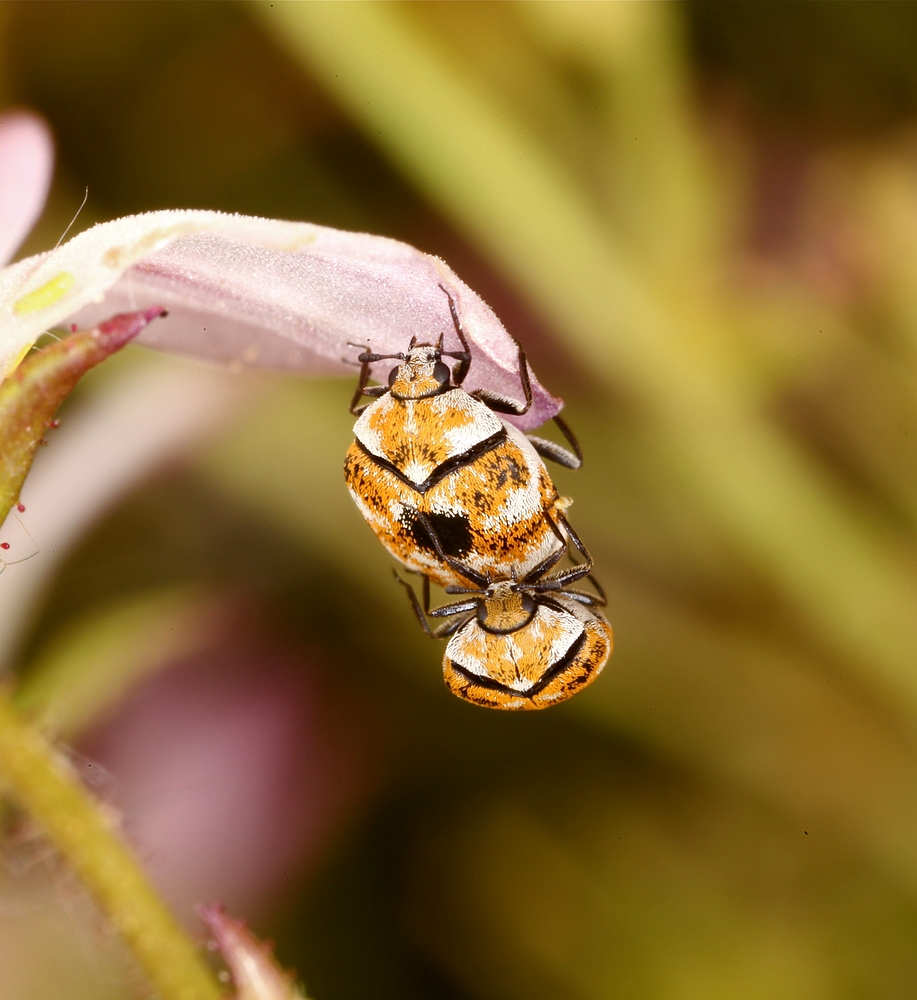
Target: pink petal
{"points": [[261, 293], [26, 159], [231, 776]]}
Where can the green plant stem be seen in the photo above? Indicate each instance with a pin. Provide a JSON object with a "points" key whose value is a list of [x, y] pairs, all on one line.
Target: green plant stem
{"points": [[44, 785]]}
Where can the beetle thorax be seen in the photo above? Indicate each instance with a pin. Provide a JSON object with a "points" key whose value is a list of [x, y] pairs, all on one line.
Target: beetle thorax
{"points": [[421, 374], [505, 609]]}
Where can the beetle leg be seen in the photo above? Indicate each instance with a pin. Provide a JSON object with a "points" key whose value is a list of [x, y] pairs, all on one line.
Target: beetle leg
{"points": [[496, 402], [450, 628], [539, 571], [503, 404], [559, 580], [465, 610], [415, 604], [464, 356], [458, 608], [584, 597], [601, 591], [557, 453], [367, 359]]}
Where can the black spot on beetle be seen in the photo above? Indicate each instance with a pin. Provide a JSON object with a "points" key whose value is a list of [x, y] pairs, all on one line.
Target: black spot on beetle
{"points": [[452, 530]]}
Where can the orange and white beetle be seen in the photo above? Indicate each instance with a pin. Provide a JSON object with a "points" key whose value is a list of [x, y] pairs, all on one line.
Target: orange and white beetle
{"points": [[521, 644], [430, 459]]}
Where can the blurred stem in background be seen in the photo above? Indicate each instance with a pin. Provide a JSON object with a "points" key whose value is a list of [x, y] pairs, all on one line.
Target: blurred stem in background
{"points": [[77, 826], [506, 190], [38, 776]]}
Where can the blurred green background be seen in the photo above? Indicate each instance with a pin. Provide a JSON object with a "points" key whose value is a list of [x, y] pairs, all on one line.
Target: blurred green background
{"points": [[701, 222]]}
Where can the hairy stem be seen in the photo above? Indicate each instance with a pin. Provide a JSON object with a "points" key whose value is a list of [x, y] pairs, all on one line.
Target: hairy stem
{"points": [[46, 787]]}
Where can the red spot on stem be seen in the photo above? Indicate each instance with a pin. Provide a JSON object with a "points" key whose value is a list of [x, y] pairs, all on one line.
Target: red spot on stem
{"points": [[20, 507], [4, 545]]}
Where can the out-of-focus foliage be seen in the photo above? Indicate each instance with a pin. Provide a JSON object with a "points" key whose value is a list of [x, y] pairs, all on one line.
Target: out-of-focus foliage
{"points": [[701, 222]]}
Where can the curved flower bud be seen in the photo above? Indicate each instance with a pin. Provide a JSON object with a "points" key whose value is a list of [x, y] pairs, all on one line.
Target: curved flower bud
{"points": [[252, 966], [26, 158], [31, 396], [260, 293]]}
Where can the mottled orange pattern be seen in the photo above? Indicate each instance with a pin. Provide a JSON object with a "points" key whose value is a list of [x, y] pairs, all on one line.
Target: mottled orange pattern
{"points": [[557, 653], [495, 514], [417, 436]]}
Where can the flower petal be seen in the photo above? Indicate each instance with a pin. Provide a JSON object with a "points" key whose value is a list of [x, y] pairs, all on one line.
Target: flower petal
{"points": [[261, 293], [26, 158]]}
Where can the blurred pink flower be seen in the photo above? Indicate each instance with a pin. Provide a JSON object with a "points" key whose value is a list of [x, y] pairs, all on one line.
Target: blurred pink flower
{"points": [[26, 159], [230, 770]]}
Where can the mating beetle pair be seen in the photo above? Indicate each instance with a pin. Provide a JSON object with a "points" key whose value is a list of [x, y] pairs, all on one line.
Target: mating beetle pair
{"points": [[463, 498]]}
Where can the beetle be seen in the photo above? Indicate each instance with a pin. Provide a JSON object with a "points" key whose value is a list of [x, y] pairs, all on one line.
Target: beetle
{"points": [[521, 644], [430, 459]]}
